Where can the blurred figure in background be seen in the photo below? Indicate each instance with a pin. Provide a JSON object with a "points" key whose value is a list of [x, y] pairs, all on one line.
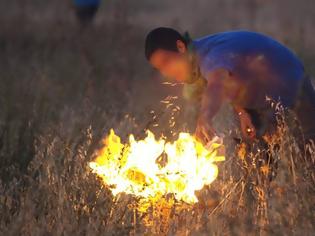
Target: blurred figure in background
{"points": [[86, 10]]}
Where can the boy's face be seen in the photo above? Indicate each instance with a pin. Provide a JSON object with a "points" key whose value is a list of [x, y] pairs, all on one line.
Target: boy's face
{"points": [[174, 65]]}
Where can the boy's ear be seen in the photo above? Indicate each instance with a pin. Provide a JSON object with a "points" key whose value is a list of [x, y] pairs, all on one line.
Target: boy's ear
{"points": [[181, 47]]}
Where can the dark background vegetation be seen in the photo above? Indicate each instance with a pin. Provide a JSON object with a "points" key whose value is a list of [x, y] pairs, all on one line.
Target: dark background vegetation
{"points": [[62, 88]]}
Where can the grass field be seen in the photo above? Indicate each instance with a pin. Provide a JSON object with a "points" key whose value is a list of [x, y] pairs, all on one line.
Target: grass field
{"points": [[61, 91]]}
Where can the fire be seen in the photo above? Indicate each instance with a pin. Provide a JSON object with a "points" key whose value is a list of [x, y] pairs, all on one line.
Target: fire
{"points": [[151, 168]]}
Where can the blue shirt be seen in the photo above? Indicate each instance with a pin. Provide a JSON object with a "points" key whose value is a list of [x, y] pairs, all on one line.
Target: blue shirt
{"points": [[260, 66], [86, 3]]}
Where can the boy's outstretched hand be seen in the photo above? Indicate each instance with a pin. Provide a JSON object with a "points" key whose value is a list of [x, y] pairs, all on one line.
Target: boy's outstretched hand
{"points": [[204, 133], [247, 127]]}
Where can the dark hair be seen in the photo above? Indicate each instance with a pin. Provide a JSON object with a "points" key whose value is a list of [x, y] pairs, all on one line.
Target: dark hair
{"points": [[162, 38]]}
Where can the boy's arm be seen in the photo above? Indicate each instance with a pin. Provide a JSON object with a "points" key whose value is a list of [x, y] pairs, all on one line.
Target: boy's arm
{"points": [[210, 104], [218, 88]]}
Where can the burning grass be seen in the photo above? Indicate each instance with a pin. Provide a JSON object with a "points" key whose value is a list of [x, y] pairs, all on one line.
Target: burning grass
{"points": [[151, 168]]}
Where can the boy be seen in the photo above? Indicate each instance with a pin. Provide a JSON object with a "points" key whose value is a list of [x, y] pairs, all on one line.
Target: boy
{"points": [[239, 68]]}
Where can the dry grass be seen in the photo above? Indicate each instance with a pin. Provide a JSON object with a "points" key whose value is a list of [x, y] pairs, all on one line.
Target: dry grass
{"points": [[59, 195], [61, 93]]}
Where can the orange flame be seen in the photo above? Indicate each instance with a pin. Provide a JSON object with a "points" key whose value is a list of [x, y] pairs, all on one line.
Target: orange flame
{"points": [[136, 167]]}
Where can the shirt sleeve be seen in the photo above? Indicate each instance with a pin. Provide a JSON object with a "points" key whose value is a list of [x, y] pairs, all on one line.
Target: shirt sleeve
{"points": [[219, 58]]}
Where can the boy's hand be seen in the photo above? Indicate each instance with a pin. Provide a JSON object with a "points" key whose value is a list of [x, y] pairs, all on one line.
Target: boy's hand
{"points": [[204, 132], [247, 127]]}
